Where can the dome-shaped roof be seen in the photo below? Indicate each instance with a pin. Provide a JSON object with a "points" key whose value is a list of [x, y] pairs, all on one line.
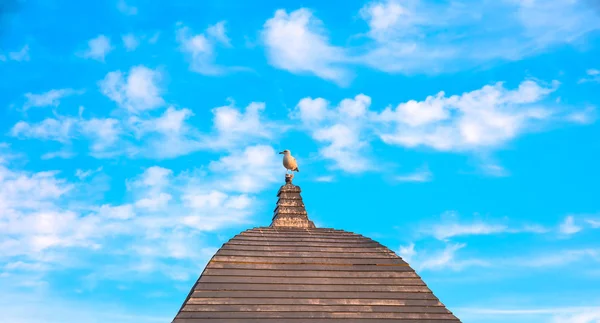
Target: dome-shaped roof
{"points": [[324, 275], [294, 272]]}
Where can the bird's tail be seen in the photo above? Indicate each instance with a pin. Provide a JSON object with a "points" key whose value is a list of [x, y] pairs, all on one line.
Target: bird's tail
{"points": [[298, 170]]}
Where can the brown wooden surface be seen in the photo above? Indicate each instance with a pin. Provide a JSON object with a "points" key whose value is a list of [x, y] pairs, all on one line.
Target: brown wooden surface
{"points": [[309, 275], [308, 301], [313, 295], [312, 314], [312, 320]]}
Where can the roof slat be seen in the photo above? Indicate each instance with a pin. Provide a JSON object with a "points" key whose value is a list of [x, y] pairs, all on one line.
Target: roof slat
{"points": [[310, 260], [307, 287], [413, 281], [315, 295], [314, 301], [306, 273], [315, 308], [310, 315]]}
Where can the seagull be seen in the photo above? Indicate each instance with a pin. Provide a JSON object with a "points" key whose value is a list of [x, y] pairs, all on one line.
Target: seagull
{"points": [[289, 162]]}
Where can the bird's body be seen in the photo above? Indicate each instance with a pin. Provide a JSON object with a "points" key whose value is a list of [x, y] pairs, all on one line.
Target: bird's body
{"points": [[289, 162]]}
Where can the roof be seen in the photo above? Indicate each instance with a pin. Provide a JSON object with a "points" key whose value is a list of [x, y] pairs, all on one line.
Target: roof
{"points": [[294, 272]]}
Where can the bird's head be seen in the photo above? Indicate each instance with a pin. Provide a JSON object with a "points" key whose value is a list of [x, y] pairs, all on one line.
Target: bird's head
{"points": [[285, 152]]}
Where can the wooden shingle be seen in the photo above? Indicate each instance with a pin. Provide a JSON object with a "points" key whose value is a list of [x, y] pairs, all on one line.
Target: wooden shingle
{"points": [[294, 272]]}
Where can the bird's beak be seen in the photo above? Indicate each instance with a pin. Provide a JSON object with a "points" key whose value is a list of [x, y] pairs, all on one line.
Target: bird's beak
{"points": [[281, 152]]}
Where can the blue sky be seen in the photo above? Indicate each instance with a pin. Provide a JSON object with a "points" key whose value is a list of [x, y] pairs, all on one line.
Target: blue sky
{"points": [[139, 136]]}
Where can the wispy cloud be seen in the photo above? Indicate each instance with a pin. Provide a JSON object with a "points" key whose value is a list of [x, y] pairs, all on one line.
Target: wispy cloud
{"points": [[130, 41], [20, 55], [409, 36], [98, 48], [592, 75], [52, 308], [61, 129], [558, 258], [449, 226], [552, 314], [420, 175], [568, 227], [64, 154], [445, 258], [126, 9], [200, 49], [593, 223], [49, 98], [325, 179], [586, 116]]}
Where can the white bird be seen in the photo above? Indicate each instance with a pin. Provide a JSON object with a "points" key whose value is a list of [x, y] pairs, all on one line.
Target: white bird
{"points": [[289, 162]]}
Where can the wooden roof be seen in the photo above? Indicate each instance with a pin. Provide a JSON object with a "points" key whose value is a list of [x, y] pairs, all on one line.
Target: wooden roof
{"points": [[294, 272]]}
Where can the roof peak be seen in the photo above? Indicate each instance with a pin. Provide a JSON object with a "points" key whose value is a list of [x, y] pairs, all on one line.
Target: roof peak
{"points": [[290, 211]]}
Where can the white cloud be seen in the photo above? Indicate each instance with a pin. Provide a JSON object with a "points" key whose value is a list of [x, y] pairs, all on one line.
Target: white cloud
{"points": [[421, 175], [477, 122], [126, 9], [550, 314], [83, 174], [42, 222], [103, 133], [297, 42], [586, 116], [217, 31], [444, 259], [593, 223], [425, 36], [310, 109], [130, 41], [154, 38], [557, 258], [235, 127], [21, 55], [407, 252], [49, 98], [250, 170], [137, 133], [325, 179], [136, 92], [98, 48], [64, 154], [339, 129], [450, 230], [55, 308], [386, 18], [61, 130], [201, 48], [343, 146], [592, 75], [168, 135], [449, 226], [487, 117], [568, 227]]}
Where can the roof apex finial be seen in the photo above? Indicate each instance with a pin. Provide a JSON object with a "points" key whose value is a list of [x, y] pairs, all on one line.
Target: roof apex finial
{"points": [[289, 178], [290, 210]]}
